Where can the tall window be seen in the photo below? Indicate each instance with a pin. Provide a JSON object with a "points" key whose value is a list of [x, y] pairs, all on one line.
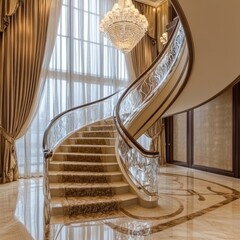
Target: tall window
{"points": [[84, 67]]}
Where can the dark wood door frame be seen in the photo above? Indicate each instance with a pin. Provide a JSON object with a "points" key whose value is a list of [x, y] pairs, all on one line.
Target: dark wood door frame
{"points": [[190, 135], [169, 141], [169, 138], [236, 130]]}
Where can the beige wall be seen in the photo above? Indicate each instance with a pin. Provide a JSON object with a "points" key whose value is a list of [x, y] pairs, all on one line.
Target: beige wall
{"points": [[180, 137], [213, 133], [216, 59]]}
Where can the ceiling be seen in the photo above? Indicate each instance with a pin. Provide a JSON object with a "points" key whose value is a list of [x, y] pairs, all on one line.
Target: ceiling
{"points": [[153, 3]]}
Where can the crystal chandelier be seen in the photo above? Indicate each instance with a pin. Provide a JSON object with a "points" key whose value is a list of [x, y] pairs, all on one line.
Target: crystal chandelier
{"points": [[124, 25]]}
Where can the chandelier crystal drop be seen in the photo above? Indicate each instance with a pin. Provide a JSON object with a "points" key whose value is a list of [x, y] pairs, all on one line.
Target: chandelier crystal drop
{"points": [[124, 25]]}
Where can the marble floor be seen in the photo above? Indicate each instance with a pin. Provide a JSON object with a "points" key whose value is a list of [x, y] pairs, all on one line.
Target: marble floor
{"points": [[192, 205]]}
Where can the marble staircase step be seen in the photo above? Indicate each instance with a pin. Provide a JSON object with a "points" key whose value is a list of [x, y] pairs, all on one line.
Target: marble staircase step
{"points": [[92, 141], [86, 148], [73, 206], [104, 127], [81, 189], [83, 166], [64, 219], [84, 157], [84, 177], [107, 122], [106, 134]]}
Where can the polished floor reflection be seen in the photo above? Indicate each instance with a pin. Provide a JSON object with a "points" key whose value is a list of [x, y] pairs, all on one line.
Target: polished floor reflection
{"points": [[192, 205]]}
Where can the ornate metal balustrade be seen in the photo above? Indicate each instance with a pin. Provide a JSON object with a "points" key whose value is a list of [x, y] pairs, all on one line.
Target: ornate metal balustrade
{"points": [[141, 165], [67, 123], [144, 89]]}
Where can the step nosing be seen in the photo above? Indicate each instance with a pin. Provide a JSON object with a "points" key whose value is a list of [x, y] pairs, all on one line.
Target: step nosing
{"points": [[74, 173], [99, 187], [88, 186], [101, 125], [101, 131], [91, 200], [84, 137], [85, 154], [87, 145], [54, 162]]}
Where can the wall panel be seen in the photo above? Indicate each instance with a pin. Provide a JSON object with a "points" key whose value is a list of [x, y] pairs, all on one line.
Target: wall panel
{"points": [[180, 137], [212, 133]]}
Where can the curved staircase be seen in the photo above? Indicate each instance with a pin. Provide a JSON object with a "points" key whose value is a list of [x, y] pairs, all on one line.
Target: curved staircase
{"points": [[84, 177]]}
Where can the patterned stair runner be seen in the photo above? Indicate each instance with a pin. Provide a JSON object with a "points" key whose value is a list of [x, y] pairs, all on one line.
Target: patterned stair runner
{"points": [[84, 177]]}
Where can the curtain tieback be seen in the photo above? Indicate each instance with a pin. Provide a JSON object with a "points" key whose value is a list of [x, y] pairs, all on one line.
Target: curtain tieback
{"points": [[6, 135], [9, 11], [159, 132], [156, 135]]}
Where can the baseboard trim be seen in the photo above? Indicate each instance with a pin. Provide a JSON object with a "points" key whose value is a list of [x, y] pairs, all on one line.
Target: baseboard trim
{"points": [[213, 170], [179, 163]]}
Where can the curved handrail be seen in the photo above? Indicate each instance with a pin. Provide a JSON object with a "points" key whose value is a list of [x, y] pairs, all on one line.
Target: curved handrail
{"points": [[144, 151], [45, 145], [137, 81], [139, 163]]}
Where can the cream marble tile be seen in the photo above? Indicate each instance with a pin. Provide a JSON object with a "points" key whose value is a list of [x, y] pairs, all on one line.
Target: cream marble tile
{"points": [[207, 213]]}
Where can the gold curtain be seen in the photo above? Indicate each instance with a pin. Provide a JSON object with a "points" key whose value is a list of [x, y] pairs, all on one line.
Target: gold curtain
{"points": [[148, 48], [158, 143], [22, 47], [162, 22], [7, 9]]}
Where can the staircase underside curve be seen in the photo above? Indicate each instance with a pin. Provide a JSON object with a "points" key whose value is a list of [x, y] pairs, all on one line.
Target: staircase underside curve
{"points": [[154, 108], [215, 32]]}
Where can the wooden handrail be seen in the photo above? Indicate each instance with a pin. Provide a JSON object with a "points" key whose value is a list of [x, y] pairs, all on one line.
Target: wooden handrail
{"points": [[67, 111]]}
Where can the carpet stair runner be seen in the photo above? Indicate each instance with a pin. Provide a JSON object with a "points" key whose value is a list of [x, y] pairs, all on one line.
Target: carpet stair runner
{"points": [[84, 176]]}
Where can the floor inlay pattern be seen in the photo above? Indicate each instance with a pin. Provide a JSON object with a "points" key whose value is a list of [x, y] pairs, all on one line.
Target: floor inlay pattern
{"points": [[192, 205], [205, 196]]}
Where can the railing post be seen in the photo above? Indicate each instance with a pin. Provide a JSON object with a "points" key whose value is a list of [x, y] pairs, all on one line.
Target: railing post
{"points": [[47, 206]]}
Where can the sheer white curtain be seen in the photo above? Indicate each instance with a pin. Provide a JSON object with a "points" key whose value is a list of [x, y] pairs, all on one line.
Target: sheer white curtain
{"points": [[84, 67]]}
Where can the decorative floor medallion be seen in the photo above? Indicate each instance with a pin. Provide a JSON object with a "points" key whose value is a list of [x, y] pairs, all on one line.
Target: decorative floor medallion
{"points": [[182, 198]]}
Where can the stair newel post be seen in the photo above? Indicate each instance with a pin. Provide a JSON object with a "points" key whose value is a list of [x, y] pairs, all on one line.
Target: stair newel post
{"points": [[47, 206]]}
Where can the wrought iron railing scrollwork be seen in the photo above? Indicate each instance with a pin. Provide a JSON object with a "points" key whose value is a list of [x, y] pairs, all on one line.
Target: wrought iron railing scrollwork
{"points": [[137, 96], [66, 123], [142, 165]]}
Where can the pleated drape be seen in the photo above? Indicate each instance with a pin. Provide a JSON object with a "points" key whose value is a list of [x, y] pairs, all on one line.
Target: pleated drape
{"points": [[162, 19], [22, 47], [158, 143], [148, 48], [7, 9]]}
